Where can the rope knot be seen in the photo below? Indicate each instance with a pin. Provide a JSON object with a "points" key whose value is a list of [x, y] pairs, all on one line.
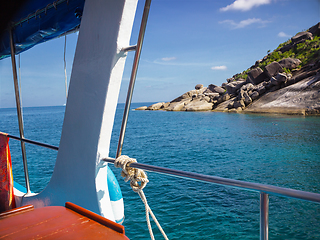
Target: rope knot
{"points": [[133, 174]]}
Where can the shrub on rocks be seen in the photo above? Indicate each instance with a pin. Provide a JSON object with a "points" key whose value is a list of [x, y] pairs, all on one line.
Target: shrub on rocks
{"points": [[286, 48], [257, 63]]}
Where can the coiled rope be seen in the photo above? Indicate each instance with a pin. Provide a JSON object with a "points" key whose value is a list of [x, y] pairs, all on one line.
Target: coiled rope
{"points": [[135, 176]]}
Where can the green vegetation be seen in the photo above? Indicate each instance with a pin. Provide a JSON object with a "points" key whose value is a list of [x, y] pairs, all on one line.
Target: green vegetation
{"points": [[283, 44], [286, 70], [306, 52], [242, 75]]}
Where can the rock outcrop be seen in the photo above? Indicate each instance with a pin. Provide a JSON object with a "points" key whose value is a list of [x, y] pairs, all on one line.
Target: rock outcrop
{"points": [[199, 99], [283, 86], [300, 98]]}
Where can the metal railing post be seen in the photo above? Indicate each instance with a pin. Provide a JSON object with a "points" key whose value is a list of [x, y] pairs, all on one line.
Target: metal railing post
{"points": [[133, 75], [264, 216], [19, 111]]}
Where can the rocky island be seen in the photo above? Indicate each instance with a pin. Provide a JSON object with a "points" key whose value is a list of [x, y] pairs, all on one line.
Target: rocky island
{"points": [[287, 81]]}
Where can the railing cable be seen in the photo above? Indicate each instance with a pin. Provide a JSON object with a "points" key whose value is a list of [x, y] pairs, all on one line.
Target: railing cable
{"points": [[34, 142]]}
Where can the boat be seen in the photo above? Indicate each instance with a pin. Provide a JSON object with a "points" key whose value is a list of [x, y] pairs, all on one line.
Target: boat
{"points": [[82, 177], [82, 184]]}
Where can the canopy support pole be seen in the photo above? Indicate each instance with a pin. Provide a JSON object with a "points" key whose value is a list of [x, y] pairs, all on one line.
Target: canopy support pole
{"points": [[19, 111], [137, 48]]}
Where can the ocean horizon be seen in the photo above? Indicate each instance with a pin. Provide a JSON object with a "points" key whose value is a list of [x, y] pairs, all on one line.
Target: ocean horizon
{"points": [[280, 150]]}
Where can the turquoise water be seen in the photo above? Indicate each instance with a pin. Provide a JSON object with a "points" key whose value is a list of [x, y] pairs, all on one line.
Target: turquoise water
{"points": [[279, 150]]}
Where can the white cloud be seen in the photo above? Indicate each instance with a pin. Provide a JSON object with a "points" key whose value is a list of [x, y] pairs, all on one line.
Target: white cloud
{"points": [[244, 5], [219, 67], [244, 23], [168, 58], [284, 35]]}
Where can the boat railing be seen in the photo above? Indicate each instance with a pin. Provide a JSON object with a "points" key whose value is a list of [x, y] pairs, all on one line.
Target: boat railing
{"points": [[264, 189], [34, 142]]}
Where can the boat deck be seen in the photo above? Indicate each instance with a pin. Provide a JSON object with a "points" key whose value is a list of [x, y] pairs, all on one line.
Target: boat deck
{"points": [[57, 222]]}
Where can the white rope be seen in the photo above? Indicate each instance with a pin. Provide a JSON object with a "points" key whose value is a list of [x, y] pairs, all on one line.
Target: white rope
{"points": [[135, 176]]}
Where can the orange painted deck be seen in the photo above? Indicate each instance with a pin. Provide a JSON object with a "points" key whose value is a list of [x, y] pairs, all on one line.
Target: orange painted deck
{"points": [[57, 222]]}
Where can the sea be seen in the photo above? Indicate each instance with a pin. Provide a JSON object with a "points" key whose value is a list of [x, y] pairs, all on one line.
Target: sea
{"points": [[281, 150]]}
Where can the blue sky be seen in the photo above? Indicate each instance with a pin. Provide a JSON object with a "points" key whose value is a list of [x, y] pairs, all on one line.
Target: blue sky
{"points": [[187, 42]]}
